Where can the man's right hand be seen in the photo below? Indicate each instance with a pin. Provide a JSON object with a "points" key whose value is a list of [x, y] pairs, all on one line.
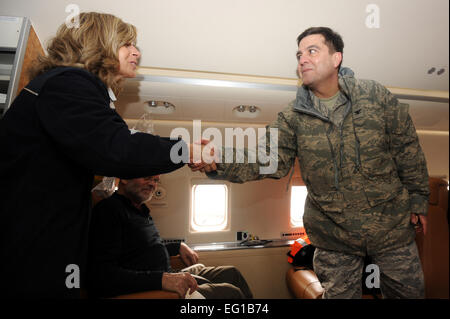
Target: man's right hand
{"points": [[205, 168], [179, 282], [201, 165]]}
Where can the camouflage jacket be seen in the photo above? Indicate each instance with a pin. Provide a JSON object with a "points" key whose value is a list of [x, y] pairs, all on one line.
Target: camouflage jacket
{"points": [[364, 177]]}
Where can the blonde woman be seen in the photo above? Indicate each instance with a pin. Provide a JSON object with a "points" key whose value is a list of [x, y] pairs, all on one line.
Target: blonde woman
{"points": [[57, 134]]}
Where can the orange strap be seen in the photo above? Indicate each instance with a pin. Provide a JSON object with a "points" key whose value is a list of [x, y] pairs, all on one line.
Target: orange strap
{"points": [[297, 245]]}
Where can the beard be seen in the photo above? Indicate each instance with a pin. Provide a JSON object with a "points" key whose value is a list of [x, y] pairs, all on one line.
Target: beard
{"points": [[139, 195]]}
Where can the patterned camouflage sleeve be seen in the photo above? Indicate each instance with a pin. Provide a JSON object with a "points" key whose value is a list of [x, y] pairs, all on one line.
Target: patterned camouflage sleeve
{"points": [[407, 153], [273, 157]]}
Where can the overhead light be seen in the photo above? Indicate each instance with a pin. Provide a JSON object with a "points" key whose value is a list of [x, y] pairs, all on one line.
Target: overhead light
{"points": [[247, 111], [159, 107]]}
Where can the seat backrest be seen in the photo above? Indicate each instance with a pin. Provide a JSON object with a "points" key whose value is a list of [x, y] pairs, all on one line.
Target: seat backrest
{"points": [[434, 246]]}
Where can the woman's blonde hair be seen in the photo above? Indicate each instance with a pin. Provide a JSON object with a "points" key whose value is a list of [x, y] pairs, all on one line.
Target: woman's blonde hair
{"points": [[93, 46]]}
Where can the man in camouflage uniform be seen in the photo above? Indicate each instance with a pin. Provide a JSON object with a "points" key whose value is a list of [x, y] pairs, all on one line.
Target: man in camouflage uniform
{"points": [[364, 169]]}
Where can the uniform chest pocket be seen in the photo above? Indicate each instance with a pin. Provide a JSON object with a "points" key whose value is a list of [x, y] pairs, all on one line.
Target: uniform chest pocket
{"points": [[370, 131]]}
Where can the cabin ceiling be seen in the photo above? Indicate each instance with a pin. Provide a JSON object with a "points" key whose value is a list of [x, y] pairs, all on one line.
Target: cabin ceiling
{"points": [[217, 38]]}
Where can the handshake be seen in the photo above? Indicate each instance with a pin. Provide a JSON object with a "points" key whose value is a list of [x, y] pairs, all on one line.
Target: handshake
{"points": [[203, 156]]}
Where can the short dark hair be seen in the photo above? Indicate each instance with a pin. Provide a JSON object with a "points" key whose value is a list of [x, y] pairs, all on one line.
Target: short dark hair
{"points": [[333, 40]]}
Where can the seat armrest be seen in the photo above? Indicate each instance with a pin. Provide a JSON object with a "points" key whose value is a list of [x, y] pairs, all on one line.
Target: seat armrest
{"points": [[177, 264], [303, 283], [151, 294]]}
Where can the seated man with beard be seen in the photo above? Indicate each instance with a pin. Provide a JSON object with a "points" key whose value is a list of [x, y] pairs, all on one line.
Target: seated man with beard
{"points": [[127, 254]]}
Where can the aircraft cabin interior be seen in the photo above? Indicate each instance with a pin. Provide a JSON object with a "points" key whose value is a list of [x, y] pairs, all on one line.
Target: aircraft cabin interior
{"points": [[222, 71]]}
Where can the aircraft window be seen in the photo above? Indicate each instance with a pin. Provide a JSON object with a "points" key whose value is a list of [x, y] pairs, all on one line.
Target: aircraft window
{"points": [[209, 207], [298, 197]]}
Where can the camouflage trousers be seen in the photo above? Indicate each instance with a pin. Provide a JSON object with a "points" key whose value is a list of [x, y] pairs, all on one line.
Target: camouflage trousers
{"points": [[399, 270]]}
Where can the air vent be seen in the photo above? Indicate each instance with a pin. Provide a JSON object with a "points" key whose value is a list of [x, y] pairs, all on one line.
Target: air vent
{"points": [[439, 72], [158, 199]]}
